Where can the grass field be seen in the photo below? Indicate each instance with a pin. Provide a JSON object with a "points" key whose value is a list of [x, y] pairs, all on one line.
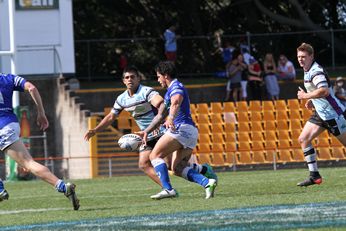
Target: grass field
{"points": [[257, 200]]}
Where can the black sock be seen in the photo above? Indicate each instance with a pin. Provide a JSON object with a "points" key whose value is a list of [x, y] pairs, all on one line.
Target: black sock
{"points": [[315, 175]]}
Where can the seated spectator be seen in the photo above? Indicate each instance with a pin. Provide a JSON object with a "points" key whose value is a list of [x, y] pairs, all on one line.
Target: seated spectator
{"points": [[339, 91], [286, 70], [270, 79]]}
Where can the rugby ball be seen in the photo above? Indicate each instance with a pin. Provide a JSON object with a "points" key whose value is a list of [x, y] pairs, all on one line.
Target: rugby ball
{"points": [[130, 142]]}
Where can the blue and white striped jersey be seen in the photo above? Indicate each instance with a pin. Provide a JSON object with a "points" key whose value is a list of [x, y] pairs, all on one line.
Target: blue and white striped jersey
{"points": [[184, 113], [328, 107], [139, 107], [8, 84]]}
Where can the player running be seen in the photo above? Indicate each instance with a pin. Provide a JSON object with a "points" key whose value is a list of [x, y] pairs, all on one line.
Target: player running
{"points": [[13, 146], [181, 135], [142, 103], [329, 113]]}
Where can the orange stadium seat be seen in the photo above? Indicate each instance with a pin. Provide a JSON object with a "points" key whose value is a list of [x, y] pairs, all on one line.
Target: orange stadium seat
{"points": [[256, 126], [202, 108], [204, 148], [230, 147], [217, 138], [230, 127], [324, 154], [203, 118], [230, 158], [270, 135], [243, 127], [270, 144], [293, 104], [244, 146], [204, 138], [269, 125], [294, 114], [285, 155], [283, 135], [244, 157], [218, 159], [338, 152], [306, 114], [284, 144], [334, 142], [282, 125], [255, 105], [193, 108], [217, 147], [107, 110], [203, 158], [203, 128], [281, 115], [216, 128], [256, 136], [258, 157], [216, 108], [280, 105], [270, 155], [295, 124], [268, 106], [243, 137], [322, 142], [230, 137], [255, 116], [216, 118], [229, 107], [243, 116], [257, 145], [268, 116], [298, 155], [241, 106], [124, 123]]}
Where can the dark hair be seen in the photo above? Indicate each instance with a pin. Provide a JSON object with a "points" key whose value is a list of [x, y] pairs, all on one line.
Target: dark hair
{"points": [[131, 69], [166, 68]]}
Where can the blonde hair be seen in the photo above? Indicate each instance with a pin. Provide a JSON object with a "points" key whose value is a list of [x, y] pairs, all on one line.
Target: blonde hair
{"points": [[306, 47]]}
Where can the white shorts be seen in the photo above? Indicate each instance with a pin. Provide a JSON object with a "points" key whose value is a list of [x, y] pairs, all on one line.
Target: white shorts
{"points": [[186, 135], [8, 135]]}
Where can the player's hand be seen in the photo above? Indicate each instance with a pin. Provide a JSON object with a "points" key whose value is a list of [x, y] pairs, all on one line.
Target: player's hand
{"points": [[42, 121], [144, 136], [90, 133], [169, 124], [309, 105], [301, 93]]}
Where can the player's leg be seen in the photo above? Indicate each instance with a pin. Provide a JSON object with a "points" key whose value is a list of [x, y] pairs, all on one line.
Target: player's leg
{"points": [[310, 132], [183, 169], [19, 153], [145, 165], [164, 147]]}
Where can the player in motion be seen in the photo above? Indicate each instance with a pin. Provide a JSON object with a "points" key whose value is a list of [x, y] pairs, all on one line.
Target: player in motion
{"points": [[12, 145], [142, 102], [181, 135], [328, 113]]}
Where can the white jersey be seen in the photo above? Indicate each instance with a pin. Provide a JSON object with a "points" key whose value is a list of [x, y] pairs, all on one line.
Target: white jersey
{"points": [[327, 107], [139, 107]]}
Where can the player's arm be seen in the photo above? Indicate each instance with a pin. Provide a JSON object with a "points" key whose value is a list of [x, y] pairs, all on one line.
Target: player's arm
{"points": [[105, 122], [42, 121], [176, 101], [322, 90]]}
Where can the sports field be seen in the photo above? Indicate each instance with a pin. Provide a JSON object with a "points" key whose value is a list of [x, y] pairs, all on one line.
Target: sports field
{"points": [[256, 200]]}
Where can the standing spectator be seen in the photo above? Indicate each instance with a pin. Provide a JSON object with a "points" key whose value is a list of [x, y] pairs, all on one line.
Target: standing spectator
{"points": [[226, 52], [286, 70], [170, 43], [234, 71], [270, 79], [255, 80], [339, 91]]}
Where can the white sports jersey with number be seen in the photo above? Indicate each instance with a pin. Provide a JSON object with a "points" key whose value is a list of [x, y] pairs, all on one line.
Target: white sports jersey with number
{"points": [[327, 107], [139, 107]]}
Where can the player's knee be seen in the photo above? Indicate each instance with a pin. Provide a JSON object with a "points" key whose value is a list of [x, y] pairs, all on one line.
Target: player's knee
{"points": [[143, 166], [303, 140]]}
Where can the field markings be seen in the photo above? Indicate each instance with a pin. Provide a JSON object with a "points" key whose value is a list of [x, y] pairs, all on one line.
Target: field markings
{"points": [[276, 217]]}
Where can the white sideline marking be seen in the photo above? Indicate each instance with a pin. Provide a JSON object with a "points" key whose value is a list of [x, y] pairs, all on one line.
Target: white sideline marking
{"points": [[4, 212]]}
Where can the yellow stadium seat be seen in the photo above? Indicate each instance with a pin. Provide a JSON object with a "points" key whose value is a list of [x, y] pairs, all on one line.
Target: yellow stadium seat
{"points": [[244, 146], [322, 142], [294, 114], [204, 138], [293, 104], [203, 128], [324, 153], [216, 118], [217, 147], [281, 115]]}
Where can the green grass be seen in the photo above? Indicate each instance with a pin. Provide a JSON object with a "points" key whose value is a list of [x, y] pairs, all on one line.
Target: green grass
{"points": [[129, 196]]}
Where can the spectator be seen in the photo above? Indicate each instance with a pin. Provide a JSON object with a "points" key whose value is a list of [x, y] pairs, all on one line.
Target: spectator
{"points": [[270, 79], [234, 70], [286, 70], [170, 43], [226, 52], [255, 80], [339, 91]]}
